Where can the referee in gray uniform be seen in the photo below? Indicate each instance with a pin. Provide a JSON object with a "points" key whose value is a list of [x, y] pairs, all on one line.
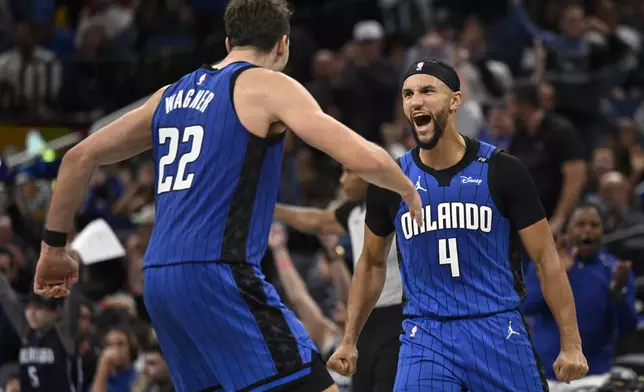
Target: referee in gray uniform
{"points": [[379, 341]]}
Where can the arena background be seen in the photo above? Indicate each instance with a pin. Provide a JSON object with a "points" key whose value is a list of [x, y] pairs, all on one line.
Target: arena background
{"points": [[69, 67]]}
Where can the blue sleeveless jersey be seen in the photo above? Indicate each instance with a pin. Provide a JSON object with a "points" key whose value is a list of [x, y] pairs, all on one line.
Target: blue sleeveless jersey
{"points": [[217, 183], [458, 264]]}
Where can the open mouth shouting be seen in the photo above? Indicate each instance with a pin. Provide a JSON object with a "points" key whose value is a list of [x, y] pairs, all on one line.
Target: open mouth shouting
{"points": [[422, 121]]}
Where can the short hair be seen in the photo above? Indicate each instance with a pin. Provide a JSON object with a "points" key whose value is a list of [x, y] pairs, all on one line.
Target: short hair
{"points": [[527, 92], [257, 23], [583, 205]]}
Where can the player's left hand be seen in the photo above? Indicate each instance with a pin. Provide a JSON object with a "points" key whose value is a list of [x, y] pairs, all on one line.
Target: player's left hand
{"points": [[570, 365], [56, 272]]}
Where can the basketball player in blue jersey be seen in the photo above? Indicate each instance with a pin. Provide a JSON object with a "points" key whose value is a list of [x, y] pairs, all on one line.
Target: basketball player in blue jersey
{"points": [[217, 137], [461, 275]]}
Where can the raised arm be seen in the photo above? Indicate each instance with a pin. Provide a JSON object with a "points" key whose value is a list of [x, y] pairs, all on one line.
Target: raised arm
{"points": [[68, 324], [119, 140], [13, 308], [520, 203], [368, 278], [288, 102], [316, 324], [122, 139]]}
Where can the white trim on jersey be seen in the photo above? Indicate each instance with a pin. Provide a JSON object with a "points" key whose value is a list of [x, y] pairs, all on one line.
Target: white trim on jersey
{"points": [[392, 291]]}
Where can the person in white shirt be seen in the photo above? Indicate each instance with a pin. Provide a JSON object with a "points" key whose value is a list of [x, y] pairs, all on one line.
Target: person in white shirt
{"points": [[379, 342]]}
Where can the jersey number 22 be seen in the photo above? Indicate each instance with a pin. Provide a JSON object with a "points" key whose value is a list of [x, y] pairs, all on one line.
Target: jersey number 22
{"points": [[181, 181]]}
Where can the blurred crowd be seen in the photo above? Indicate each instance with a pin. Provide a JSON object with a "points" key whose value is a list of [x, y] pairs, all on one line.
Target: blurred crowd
{"points": [[557, 83]]}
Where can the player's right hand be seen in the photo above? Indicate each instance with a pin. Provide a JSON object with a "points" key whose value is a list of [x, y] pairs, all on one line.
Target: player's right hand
{"points": [[415, 205], [56, 272], [344, 360], [570, 365]]}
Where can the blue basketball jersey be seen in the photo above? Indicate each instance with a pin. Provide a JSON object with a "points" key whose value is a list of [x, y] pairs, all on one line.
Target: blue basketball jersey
{"points": [[459, 263], [217, 183]]}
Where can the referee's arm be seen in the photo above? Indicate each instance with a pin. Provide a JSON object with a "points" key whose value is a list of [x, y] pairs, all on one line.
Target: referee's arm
{"points": [[309, 220], [371, 271]]}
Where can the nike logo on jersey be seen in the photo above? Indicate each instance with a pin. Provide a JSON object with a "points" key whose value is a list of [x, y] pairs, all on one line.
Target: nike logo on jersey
{"points": [[189, 100], [449, 216]]}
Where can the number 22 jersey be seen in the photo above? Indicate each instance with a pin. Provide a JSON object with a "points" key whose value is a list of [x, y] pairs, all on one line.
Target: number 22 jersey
{"points": [[465, 259]]}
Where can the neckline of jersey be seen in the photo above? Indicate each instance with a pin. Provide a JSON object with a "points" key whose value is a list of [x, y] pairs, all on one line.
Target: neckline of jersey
{"points": [[444, 176], [209, 67]]}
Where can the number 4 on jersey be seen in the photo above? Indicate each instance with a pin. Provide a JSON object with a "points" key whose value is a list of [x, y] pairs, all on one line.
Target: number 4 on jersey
{"points": [[449, 257], [171, 136]]}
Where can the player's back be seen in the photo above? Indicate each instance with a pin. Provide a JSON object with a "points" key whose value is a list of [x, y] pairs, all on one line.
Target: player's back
{"points": [[217, 183]]}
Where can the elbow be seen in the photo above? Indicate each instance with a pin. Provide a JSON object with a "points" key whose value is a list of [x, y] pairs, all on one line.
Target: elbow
{"points": [[78, 156]]}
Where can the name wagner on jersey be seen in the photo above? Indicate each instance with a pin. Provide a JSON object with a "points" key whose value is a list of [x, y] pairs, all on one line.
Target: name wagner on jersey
{"points": [[452, 215], [198, 102]]}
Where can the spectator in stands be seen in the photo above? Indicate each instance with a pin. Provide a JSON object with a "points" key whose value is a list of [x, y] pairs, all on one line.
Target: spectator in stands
{"points": [[371, 83], [326, 86], [163, 24], [488, 80], [6, 22], [620, 218], [33, 73], [10, 341], [629, 150], [13, 383], [574, 62], [602, 161], [498, 128], [396, 139], [325, 333], [115, 371], [114, 17], [604, 297], [155, 376], [437, 42], [551, 150]]}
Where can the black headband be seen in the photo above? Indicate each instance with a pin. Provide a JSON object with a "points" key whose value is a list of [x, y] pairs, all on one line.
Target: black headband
{"points": [[437, 69]]}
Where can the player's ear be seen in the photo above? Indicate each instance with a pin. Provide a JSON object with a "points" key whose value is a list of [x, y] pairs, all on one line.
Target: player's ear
{"points": [[228, 48], [455, 101], [282, 45]]}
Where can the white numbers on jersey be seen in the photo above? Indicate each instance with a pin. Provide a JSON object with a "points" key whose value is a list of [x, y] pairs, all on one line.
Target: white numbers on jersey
{"points": [[450, 256], [33, 377], [171, 137]]}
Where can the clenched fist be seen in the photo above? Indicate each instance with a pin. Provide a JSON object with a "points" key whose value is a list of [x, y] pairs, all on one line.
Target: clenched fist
{"points": [[56, 272], [570, 365], [344, 359]]}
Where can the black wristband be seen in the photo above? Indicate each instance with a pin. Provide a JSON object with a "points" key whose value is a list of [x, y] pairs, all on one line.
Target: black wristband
{"points": [[55, 239]]}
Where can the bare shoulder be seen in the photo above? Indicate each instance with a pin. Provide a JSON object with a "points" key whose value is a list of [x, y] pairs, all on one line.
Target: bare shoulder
{"points": [[264, 84], [155, 98], [258, 96]]}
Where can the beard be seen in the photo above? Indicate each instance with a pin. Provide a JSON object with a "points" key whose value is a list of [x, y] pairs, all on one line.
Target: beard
{"points": [[440, 122]]}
